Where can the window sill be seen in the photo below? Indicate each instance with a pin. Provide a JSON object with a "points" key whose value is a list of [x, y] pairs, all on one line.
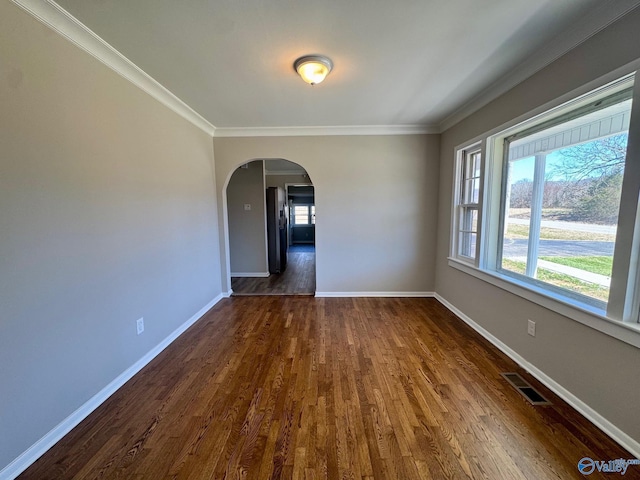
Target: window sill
{"points": [[582, 313]]}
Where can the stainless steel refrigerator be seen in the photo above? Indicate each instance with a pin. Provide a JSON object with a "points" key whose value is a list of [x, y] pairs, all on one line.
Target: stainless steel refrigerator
{"points": [[277, 237]]}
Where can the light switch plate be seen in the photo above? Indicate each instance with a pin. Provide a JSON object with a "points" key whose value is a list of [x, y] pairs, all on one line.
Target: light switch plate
{"points": [[531, 328]]}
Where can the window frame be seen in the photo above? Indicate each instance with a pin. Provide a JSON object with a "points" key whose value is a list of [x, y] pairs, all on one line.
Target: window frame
{"points": [[619, 321], [460, 206], [565, 113], [311, 216]]}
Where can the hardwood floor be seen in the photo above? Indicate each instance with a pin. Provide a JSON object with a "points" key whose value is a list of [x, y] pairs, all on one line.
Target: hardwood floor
{"points": [[335, 388], [299, 278]]}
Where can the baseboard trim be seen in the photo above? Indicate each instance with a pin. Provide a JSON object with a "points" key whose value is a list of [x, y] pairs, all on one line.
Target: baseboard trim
{"points": [[227, 294], [589, 413], [375, 294], [22, 462], [250, 274], [29, 456]]}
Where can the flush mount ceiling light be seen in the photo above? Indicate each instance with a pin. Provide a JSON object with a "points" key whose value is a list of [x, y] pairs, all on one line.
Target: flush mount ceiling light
{"points": [[313, 68]]}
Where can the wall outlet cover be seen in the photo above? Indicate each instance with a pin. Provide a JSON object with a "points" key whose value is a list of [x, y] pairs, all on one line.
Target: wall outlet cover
{"points": [[140, 325], [531, 328]]}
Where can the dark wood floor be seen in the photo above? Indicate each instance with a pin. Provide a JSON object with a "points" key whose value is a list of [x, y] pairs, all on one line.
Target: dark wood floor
{"points": [[299, 278], [327, 388]]}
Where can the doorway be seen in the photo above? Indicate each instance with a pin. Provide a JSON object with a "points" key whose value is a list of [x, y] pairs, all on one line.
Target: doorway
{"points": [[271, 221]]}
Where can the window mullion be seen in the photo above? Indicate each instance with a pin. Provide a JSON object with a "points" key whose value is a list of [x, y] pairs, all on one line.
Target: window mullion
{"points": [[535, 222]]}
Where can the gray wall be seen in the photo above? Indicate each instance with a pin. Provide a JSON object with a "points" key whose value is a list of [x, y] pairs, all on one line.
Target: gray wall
{"points": [[598, 369], [303, 234], [376, 203], [282, 180], [247, 229], [108, 214]]}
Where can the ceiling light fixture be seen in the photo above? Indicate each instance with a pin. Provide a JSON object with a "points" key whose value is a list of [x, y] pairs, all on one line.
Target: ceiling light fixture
{"points": [[313, 69]]}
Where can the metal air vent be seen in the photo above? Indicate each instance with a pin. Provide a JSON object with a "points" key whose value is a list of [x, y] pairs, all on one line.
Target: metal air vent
{"points": [[526, 390]]}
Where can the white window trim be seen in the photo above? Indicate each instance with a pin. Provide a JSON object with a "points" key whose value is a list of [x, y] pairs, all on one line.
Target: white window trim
{"points": [[619, 276], [457, 205], [310, 216], [586, 314]]}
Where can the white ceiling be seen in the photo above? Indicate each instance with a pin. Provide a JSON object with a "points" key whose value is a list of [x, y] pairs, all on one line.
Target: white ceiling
{"points": [[402, 62]]}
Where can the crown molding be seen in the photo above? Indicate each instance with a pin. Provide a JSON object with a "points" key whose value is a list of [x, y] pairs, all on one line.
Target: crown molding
{"points": [[326, 131], [598, 19], [62, 22]]}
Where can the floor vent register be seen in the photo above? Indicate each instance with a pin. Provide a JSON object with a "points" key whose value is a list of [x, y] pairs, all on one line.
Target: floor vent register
{"points": [[526, 390]]}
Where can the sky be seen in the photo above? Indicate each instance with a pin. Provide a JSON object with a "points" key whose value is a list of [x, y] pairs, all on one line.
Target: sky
{"points": [[521, 169]]}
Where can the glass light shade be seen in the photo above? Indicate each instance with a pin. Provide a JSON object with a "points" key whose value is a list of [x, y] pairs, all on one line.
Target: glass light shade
{"points": [[313, 69]]}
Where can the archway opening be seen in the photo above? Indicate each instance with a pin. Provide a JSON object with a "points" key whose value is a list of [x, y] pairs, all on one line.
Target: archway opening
{"points": [[270, 214]]}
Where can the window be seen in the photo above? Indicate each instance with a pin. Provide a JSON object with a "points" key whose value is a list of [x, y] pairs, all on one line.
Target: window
{"points": [[552, 208], [467, 205], [304, 215], [562, 197]]}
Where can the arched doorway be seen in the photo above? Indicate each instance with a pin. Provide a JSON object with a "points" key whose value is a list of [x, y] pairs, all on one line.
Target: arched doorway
{"points": [[270, 214]]}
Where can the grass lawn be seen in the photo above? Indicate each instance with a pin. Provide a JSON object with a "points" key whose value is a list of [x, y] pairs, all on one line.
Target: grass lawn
{"points": [[514, 266], [565, 214], [599, 265], [561, 280], [546, 233]]}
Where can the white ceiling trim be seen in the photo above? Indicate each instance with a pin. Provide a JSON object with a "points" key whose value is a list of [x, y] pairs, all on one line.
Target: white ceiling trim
{"points": [[62, 22], [608, 12], [58, 19], [318, 131]]}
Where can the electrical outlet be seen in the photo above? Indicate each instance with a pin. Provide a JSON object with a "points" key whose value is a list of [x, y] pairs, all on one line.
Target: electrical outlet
{"points": [[140, 325], [247, 207], [531, 328]]}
